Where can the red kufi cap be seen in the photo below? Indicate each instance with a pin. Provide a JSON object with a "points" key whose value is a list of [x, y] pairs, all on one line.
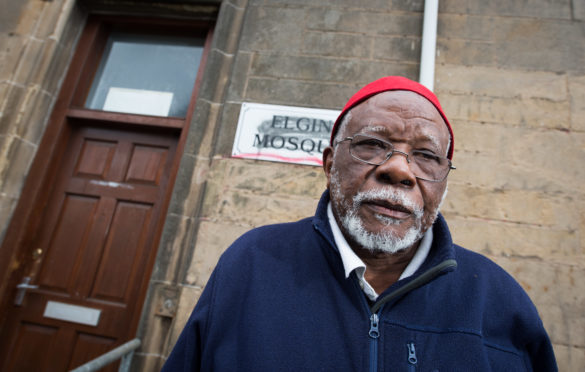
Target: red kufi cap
{"points": [[393, 83]]}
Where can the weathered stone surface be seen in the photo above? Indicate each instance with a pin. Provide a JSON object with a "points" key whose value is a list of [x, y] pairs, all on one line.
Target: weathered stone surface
{"points": [[241, 67], [521, 43], [463, 26], [230, 19], [227, 132], [335, 44], [530, 8], [514, 206], [266, 28], [524, 112], [577, 94], [513, 239], [7, 205], [466, 52], [371, 23], [328, 70], [397, 48], [175, 245], [212, 240], [496, 82], [15, 161], [218, 65]]}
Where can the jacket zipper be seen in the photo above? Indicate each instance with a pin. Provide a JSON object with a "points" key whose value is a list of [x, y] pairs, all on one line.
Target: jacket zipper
{"points": [[411, 357], [374, 334], [376, 309]]}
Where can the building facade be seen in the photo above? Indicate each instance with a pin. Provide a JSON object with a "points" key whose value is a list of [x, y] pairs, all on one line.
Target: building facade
{"points": [[128, 212]]}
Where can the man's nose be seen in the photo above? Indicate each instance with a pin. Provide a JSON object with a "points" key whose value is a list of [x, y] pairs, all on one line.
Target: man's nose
{"points": [[396, 170]]}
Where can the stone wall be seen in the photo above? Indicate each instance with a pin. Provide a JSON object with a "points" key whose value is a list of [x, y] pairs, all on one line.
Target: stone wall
{"points": [[36, 43], [511, 79]]}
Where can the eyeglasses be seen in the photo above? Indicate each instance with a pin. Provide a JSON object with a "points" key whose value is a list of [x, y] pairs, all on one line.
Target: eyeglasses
{"points": [[424, 164]]}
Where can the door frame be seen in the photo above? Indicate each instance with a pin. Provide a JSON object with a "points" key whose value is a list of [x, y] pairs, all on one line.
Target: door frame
{"points": [[16, 247]]}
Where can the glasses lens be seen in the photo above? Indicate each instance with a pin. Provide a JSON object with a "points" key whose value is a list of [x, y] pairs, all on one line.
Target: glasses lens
{"points": [[429, 166], [369, 149]]}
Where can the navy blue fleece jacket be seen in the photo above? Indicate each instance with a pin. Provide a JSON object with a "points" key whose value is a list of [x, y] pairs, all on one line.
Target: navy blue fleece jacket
{"points": [[278, 300]]}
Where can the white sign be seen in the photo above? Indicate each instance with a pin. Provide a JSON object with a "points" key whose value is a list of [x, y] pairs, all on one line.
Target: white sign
{"points": [[72, 313], [283, 133], [138, 101]]}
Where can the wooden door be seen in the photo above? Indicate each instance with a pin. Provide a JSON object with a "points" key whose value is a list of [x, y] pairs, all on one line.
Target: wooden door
{"points": [[93, 250]]}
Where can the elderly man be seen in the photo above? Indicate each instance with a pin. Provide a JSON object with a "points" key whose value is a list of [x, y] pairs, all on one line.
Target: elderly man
{"points": [[373, 281]]}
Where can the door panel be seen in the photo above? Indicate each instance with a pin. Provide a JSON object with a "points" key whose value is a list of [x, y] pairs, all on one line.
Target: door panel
{"points": [[88, 347], [95, 242]]}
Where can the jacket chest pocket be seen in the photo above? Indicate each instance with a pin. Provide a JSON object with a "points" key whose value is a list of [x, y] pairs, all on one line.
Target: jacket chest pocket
{"points": [[407, 348]]}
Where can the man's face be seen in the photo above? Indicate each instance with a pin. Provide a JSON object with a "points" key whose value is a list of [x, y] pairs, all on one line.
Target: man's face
{"points": [[386, 207]]}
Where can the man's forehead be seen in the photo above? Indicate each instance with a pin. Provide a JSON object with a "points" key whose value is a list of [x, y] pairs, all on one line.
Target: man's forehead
{"points": [[417, 134], [405, 103]]}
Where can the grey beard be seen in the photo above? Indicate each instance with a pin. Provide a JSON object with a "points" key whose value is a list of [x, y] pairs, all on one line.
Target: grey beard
{"points": [[389, 241]]}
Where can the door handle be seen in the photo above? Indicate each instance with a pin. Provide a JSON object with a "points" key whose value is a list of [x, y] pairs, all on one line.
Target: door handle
{"points": [[21, 290]]}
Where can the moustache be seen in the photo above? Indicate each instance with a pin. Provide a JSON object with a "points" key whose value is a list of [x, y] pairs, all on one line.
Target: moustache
{"points": [[397, 198]]}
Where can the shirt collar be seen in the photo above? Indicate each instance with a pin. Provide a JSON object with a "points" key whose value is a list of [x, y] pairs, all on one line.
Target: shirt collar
{"points": [[351, 261]]}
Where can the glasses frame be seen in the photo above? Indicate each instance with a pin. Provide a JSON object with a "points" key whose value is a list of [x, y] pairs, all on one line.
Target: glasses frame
{"points": [[390, 154]]}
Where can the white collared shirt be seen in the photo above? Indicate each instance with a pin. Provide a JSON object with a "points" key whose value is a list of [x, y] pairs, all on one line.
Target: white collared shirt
{"points": [[352, 262]]}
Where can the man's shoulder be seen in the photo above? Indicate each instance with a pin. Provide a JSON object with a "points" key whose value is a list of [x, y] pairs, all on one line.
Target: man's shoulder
{"points": [[488, 276], [276, 232], [270, 239]]}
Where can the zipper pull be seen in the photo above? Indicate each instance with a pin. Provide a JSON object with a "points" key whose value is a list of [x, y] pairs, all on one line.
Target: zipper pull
{"points": [[374, 333], [411, 353]]}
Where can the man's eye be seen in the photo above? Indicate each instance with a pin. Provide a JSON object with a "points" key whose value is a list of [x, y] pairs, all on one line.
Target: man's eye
{"points": [[370, 143], [425, 156]]}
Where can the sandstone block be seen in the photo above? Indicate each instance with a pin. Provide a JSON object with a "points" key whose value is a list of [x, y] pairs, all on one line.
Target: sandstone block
{"points": [[521, 43], [230, 20], [298, 93], [511, 239], [495, 82], [33, 115], [397, 48], [18, 157], [224, 141], [577, 94], [335, 44], [513, 206], [338, 70], [218, 66], [372, 23], [7, 205], [213, 239], [268, 178], [536, 9], [175, 244], [29, 17], [464, 26], [272, 29], [241, 67], [465, 52], [524, 112]]}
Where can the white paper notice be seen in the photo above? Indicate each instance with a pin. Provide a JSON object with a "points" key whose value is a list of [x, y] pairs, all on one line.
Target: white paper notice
{"points": [[138, 101]]}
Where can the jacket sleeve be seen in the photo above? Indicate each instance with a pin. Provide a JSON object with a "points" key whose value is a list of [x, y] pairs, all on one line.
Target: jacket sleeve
{"points": [[186, 355], [541, 354]]}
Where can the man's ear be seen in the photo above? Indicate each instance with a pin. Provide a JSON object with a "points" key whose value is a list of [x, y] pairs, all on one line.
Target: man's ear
{"points": [[328, 163]]}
